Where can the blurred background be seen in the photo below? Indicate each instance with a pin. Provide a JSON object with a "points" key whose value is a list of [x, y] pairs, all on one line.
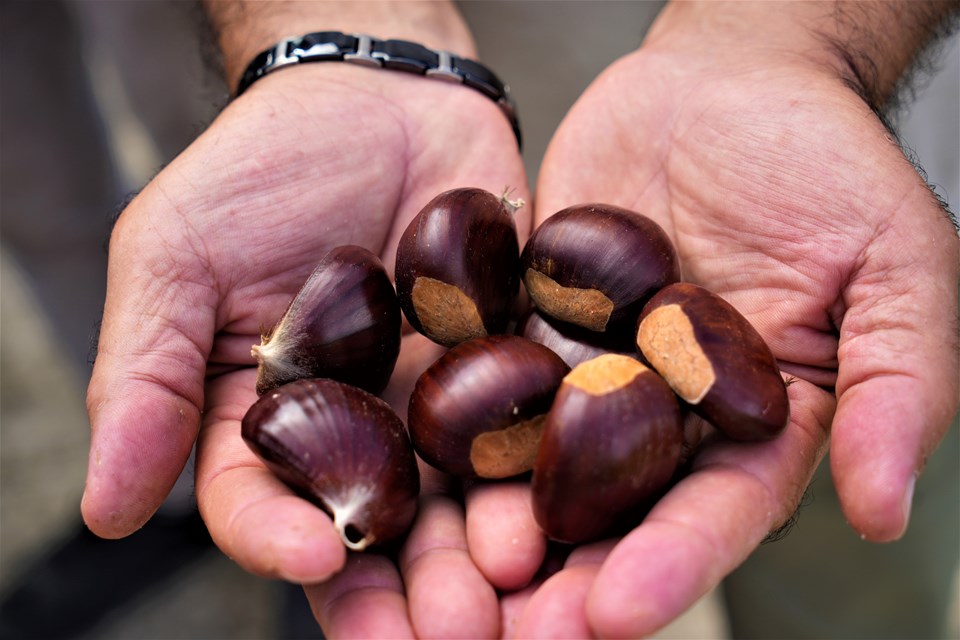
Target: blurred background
{"points": [[95, 97]]}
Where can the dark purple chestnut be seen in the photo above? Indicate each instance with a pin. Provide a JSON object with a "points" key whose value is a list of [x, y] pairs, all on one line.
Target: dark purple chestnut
{"points": [[343, 324], [715, 360], [572, 343], [594, 265], [456, 269], [478, 410], [345, 450], [610, 445]]}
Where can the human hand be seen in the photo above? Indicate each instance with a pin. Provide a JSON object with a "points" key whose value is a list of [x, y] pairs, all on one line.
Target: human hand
{"points": [[213, 250], [786, 195]]}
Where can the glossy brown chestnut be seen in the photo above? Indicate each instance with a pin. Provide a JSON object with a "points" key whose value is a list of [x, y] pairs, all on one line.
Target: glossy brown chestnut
{"points": [[478, 410], [594, 265], [342, 448], [715, 360], [343, 324], [610, 444], [456, 267], [572, 343]]}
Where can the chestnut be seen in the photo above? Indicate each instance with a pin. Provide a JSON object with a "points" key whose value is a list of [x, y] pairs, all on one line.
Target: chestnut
{"points": [[478, 410], [344, 324], [456, 268], [611, 442], [345, 450], [715, 360], [594, 265], [572, 343]]}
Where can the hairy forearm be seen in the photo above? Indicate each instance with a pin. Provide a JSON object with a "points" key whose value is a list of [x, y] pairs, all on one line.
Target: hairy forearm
{"points": [[871, 44], [880, 40], [243, 28]]}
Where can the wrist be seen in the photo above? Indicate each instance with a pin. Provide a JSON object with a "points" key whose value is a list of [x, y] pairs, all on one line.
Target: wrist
{"points": [[391, 55], [244, 28], [868, 45]]}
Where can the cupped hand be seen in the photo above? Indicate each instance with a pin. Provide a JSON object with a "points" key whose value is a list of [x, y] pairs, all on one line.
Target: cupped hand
{"points": [[211, 252], [784, 194]]}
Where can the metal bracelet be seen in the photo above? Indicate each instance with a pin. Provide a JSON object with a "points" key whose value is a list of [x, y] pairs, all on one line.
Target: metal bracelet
{"points": [[398, 55]]}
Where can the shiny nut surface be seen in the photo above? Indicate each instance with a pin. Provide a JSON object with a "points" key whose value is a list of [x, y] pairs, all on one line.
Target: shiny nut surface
{"points": [[344, 324], [594, 266], [572, 343], [478, 410], [342, 448], [610, 444], [456, 268], [715, 360]]}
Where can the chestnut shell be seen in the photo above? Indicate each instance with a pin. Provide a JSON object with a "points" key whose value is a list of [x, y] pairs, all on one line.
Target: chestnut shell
{"points": [[342, 448], [456, 268], [344, 324], [572, 343], [477, 411], [610, 445], [595, 265], [734, 381]]}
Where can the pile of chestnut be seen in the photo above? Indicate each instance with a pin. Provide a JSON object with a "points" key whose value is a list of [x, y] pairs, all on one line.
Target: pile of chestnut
{"points": [[588, 390]]}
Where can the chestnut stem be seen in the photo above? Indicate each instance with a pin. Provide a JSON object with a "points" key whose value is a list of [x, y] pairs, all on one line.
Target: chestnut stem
{"points": [[512, 205]]}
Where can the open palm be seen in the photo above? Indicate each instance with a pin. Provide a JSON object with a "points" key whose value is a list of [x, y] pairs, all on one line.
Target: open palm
{"points": [[785, 195], [782, 192], [212, 251]]}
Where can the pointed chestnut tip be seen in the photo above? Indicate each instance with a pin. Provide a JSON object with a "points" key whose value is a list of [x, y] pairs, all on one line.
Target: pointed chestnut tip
{"points": [[275, 366], [353, 538], [344, 323], [345, 450]]}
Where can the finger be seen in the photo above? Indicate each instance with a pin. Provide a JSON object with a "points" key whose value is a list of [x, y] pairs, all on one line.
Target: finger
{"points": [[146, 391], [504, 540], [251, 515], [512, 605], [709, 522], [556, 610], [448, 596], [365, 600], [898, 378]]}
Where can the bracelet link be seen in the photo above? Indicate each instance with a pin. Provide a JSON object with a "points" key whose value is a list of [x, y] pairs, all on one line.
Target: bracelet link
{"points": [[320, 51], [281, 55], [364, 54], [445, 70]]}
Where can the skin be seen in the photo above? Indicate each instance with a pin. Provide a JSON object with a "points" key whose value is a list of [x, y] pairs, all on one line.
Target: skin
{"points": [[796, 206], [215, 247], [799, 208]]}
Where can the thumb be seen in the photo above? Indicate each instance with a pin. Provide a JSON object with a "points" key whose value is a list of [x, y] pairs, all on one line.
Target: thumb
{"points": [[146, 393], [897, 387]]}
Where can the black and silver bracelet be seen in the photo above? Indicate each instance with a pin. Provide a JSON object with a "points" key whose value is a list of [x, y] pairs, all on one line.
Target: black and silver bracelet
{"points": [[399, 55]]}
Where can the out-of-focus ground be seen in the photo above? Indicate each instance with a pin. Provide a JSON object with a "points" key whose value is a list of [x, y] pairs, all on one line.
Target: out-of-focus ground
{"points": [[75, 139]]}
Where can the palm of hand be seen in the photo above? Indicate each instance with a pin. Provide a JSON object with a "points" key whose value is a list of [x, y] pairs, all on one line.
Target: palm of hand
{"points": [[784, 195], [239, 220], [210, 254], [770, 206]]}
